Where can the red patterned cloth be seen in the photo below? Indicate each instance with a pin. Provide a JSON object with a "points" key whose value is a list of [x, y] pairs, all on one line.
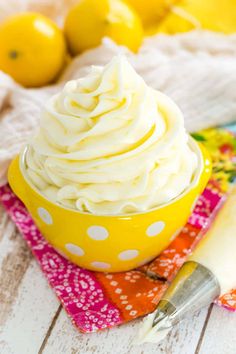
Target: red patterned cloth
{"points": [[95, 301]]}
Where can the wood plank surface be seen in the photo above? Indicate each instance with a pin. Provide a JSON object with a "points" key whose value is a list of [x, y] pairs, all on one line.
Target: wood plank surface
{"points": [[14, 260], [31, 314], [27, 304], [183, 339], [220, 333], [33, 322]]}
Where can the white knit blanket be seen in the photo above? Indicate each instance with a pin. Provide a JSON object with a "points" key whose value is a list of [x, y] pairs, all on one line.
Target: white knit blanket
{"points": [[197, 69]]}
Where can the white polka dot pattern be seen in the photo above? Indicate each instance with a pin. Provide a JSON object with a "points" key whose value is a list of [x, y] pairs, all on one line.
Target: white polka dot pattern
{"points": [[80, 292], [98, 233], [155, 228], [128, 254], [45, 216], [74, 249], [100, 265]]}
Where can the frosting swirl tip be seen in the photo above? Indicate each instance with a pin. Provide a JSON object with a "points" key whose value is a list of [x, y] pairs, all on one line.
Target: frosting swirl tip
{"points": [[109, 144]]}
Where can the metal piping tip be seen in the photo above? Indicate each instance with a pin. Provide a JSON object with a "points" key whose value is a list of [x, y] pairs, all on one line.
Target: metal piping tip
{"points": [[194, 287], [164, 311], [155, 328]]}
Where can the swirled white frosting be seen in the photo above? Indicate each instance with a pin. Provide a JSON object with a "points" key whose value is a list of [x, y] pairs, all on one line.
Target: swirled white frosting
{"points": [[109, 144]]}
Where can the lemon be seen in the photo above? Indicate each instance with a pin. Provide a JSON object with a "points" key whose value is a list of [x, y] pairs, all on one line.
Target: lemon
{"points": [[151, 11], [32, 49], [214, 15], [90, 20]]}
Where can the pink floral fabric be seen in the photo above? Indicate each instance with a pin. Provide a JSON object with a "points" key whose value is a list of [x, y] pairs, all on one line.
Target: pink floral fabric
{"points": [[78, 289]]}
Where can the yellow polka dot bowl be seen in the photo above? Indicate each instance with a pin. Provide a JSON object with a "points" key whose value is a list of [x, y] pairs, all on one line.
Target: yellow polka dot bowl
{"points": [[109, 243]]}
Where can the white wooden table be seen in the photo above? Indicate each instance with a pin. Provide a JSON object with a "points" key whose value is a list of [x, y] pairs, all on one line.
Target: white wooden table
{"points": [[32, 320]]}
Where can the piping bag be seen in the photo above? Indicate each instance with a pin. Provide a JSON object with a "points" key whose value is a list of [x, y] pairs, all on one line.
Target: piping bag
{"points": [[208, 273]]}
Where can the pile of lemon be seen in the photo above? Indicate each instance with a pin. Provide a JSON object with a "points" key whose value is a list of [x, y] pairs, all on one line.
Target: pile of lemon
{"points": [[33, 50]]}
